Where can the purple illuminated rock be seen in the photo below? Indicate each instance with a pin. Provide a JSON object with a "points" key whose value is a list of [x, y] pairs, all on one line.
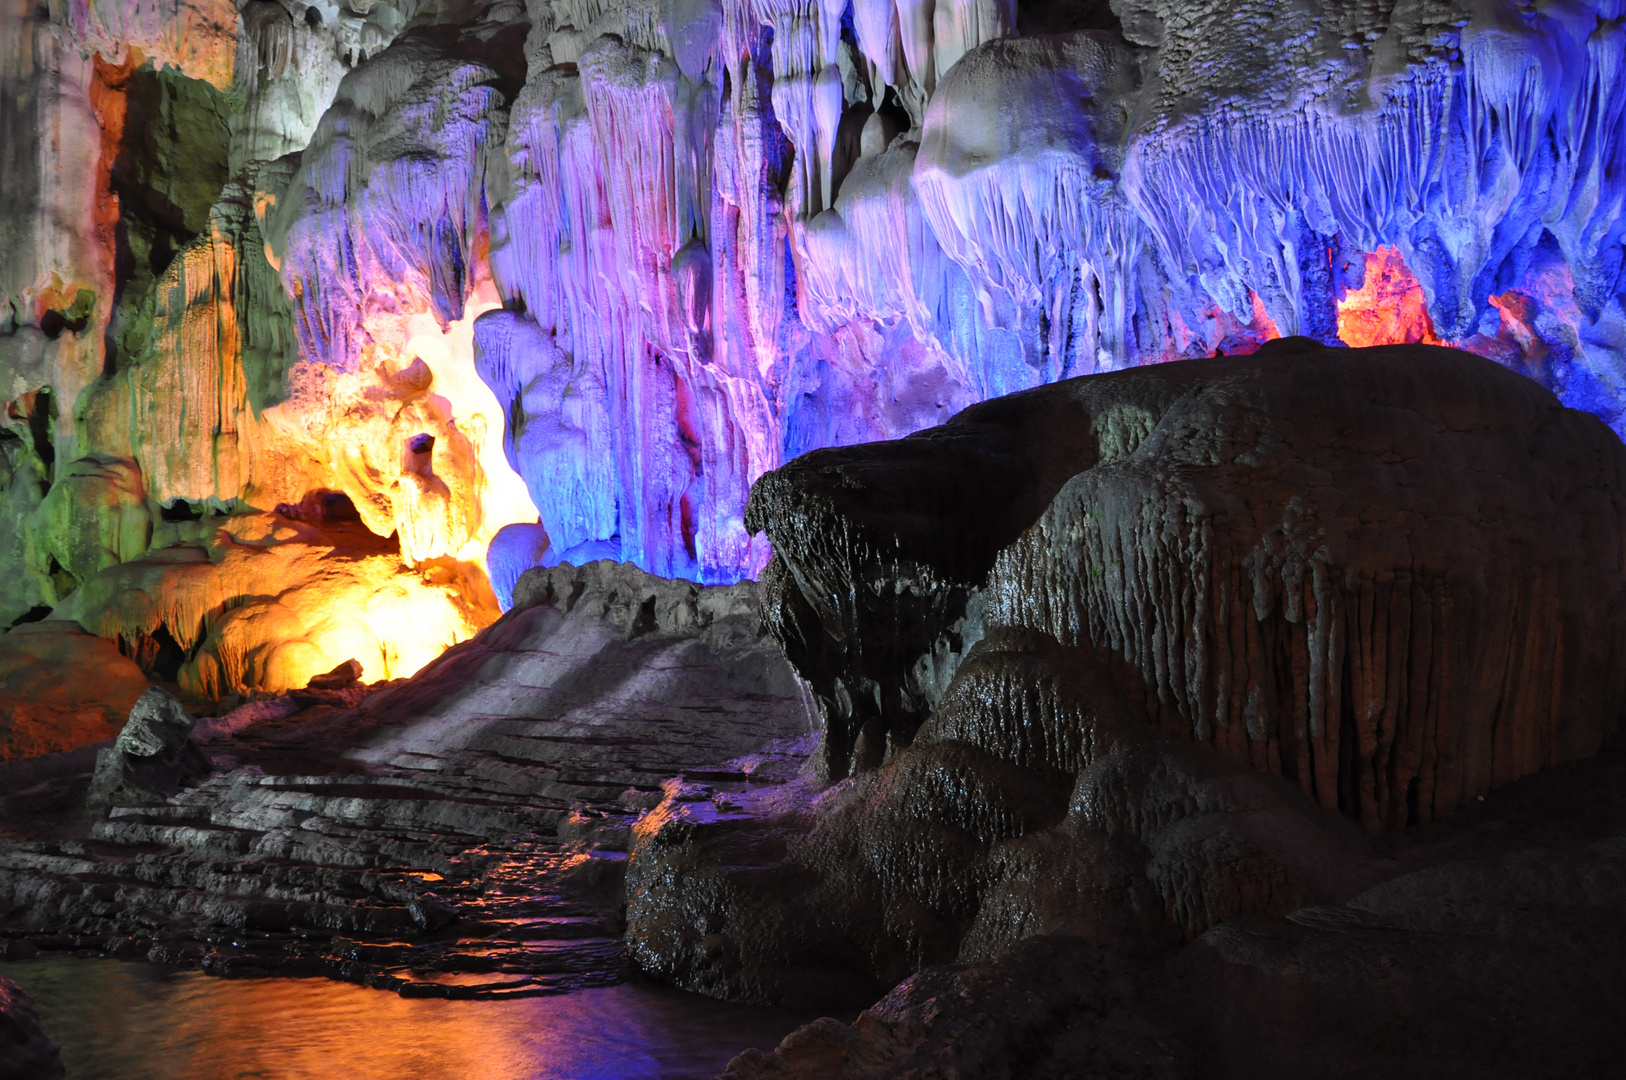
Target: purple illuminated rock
{"points": [[1140, 654], [722, 235], [1239, 716]]}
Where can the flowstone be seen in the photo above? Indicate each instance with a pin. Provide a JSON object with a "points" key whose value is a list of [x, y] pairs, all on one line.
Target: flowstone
{"points": [[1343, 567], [620, 260], [1137, 658]]}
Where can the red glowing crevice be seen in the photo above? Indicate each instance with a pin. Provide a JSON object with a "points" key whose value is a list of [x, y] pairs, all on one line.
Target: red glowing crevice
{"points": [[1388, 309]]}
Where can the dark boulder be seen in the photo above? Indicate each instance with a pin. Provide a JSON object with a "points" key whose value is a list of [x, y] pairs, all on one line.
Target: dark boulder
{"points": [[1142, 656], [152, 758], [25, 1051], [1392, 575]]}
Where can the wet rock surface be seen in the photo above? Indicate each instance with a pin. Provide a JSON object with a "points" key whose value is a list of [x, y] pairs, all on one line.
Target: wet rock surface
{"points": [[459, 834], [26, 1053], [1075, 836]]}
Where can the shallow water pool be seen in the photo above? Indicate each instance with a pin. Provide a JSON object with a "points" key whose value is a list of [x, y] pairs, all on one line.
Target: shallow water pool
{"points": [[130, 1021]]}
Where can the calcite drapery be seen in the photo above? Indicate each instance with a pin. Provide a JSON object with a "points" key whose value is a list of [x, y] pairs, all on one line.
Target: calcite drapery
{"points": [[980, 213], [1145, 653]]}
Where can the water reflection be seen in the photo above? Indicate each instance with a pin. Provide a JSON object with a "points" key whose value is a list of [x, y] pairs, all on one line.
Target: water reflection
{"points": [[138, 1021]]}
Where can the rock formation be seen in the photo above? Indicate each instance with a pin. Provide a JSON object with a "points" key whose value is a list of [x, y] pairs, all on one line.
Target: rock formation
{"points": [[245, 603], [1344, 567], [152, 758], [575, 277], [62, 688], [331, 329], [1492, 949], [1139, 655], [462, 833], [26, 1053]]}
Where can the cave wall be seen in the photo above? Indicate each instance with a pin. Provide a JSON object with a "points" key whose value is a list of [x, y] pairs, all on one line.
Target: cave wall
{"points": [[909, 209], [180, 477], [558, 280]]}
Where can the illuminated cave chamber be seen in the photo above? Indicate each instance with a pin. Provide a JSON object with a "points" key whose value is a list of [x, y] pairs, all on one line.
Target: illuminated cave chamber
{"points": [[607, 263]]}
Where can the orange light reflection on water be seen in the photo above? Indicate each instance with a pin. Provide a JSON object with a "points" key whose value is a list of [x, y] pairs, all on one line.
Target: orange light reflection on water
{"points": [[138, 1022]]}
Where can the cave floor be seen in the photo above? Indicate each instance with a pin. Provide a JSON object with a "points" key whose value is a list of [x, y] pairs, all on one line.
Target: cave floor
{"points": [[460, 834]]}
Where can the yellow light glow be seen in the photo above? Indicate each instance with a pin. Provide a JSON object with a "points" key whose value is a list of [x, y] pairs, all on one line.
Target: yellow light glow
{"points": [[504, 499]]}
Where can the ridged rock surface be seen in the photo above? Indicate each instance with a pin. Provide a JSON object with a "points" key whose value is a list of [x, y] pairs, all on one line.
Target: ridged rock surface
{"points": [[152, 758], [1392, 575], [1143, 653], [461, 833]]}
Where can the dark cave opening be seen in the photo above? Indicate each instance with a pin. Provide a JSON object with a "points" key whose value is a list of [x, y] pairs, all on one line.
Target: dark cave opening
{"points": [[1065, 16], [321, 507], [179, 510], [158, 654]]}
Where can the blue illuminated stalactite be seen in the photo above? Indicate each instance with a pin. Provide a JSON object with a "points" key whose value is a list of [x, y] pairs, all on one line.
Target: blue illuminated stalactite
{"points": [[1485, 181]]}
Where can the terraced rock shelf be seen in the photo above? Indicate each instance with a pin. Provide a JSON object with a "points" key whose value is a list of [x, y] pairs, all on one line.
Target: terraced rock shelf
{"points": [[459, 834]]}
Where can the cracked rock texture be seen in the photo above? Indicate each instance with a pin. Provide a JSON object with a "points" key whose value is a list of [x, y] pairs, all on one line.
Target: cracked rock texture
{"points": [[152, 758]]}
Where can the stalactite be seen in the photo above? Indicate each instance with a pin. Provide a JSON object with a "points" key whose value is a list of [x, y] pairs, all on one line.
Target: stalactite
{"points": [[764, 226]]}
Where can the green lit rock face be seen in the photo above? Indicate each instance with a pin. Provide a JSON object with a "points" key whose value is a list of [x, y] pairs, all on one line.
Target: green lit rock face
{"points": [[168, 172], [94, 516], [23, 481]]}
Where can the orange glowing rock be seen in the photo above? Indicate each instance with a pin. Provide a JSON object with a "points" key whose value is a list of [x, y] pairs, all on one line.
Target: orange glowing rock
{"points": [[263, 602], [1388, 309], [197, 37], [1262, 320], [1519, 321], [1217, 331], [61, 688]]}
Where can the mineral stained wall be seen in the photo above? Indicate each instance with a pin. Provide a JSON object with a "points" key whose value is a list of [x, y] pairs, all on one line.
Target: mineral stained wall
{"points": [[556, 280]]}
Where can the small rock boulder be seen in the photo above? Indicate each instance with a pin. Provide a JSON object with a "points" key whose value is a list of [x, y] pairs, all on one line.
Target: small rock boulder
{"points": [[25, 1052], [342, 677], [153, 757]]}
